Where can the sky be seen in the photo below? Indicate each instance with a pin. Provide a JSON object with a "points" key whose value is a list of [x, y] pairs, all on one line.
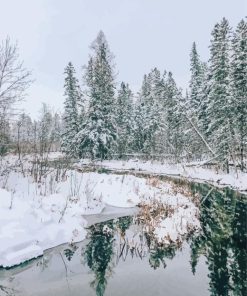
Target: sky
{"points": [[142, 34]]}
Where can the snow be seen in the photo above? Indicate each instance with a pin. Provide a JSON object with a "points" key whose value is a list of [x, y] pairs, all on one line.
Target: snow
{"points": [[5, 199], [37, 216], [25, 230], [22, 255], [191, 171], [174, 227]]}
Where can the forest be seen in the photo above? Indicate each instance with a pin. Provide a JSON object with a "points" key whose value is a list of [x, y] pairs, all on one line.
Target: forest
{"points": [[126, 188], [105, 119]]}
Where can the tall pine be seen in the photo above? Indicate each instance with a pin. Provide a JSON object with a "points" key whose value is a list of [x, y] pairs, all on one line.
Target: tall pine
{"points": [[72, 100], [173, 101], [98, 134], [219, 109], [124, 119], [196, 81], [197, 102], [239, 87]]}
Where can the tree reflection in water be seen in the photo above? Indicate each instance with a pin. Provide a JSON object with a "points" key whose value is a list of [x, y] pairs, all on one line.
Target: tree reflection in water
{"points": [[98, 254], [109, 243], [222, 241]]}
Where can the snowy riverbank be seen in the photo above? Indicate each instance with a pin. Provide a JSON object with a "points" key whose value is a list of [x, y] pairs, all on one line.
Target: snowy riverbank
{"points": [[196, 172], [37, 216]]}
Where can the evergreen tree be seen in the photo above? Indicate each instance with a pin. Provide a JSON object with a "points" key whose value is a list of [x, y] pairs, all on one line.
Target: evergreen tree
{"points": [[124, 118], [173, 99], [149, 112], [159, 112], [196, 103], [153, 114], [98, 134], [72, 99], [239, 86], [196, 81], [219, 99], [138, 133], [202, 116]]}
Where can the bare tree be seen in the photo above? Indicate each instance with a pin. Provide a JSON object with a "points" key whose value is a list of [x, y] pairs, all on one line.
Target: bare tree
{"points": [[14, 80]]}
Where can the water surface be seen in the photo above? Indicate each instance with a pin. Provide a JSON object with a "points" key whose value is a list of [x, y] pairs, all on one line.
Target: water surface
{"points": [[122, 257]]}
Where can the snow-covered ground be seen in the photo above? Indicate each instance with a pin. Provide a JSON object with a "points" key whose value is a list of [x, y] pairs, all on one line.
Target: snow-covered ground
{"points": [[37, 216], [235, 180]]}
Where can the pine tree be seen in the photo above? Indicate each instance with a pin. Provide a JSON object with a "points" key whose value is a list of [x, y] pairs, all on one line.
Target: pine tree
{"points": [[124, 118], [173, 117], [202, 116], [197, 102], [239, 86], [138, 121], [159, 110], [149, 112], [196, 81], [219, 99], [140, 126], [72, 99], [154, 111], [98, 134]]}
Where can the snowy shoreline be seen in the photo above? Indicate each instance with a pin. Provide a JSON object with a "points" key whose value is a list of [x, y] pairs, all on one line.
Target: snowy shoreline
{"points": [[37, 216], [195, 173]]}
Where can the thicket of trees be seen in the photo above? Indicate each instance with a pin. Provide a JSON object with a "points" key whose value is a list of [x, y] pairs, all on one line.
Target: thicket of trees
{"points": [[103, 120], [210, 121], [39, 136]]}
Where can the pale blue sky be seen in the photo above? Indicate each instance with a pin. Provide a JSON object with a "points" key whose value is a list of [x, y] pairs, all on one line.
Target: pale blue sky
{"points": [[142, 34]]}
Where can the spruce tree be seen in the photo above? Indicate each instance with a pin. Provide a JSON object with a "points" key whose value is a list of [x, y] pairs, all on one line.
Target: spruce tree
{"points": [[219, 109], [196, 102], [124, 119], [173, 117], [160, 136], [138, 122], [72, 100], [142, 131], [148, 112], [153, 111], [239, 87], [202, 116], [196, 81], [98, 134]]}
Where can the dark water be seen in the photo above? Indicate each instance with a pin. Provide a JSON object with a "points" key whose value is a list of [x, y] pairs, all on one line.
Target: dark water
{"points": [[121, 257]]}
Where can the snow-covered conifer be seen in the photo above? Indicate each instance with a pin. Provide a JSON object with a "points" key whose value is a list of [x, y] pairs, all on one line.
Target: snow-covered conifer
{"points": [[97, 136], [219, 109], [124, 118], [197, 80], [174, 116], [72, 99], [239, 87]]}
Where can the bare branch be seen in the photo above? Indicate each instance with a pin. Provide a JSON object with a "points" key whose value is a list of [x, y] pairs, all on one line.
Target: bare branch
{"points": [[14, 78]]}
